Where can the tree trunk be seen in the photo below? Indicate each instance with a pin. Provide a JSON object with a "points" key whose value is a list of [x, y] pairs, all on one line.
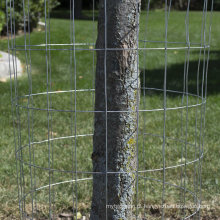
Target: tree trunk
{"points": [[78, 9], [122, 89]]}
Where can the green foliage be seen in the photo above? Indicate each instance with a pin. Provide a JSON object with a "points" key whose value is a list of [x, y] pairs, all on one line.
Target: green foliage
{"points": [[32, 10], [2, 20]]}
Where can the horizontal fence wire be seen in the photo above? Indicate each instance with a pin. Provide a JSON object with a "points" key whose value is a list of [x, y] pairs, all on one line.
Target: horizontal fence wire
{"points": [[53, 115]]}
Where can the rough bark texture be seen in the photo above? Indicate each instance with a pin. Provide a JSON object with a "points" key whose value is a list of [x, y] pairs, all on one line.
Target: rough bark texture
{"points": [[122, 95]]}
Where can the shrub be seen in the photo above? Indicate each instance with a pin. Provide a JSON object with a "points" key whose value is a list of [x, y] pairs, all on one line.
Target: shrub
{"points": [[33, 10], [2, 20]]}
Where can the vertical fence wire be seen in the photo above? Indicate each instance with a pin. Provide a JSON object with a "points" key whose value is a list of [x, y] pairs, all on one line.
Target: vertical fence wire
{"points": [[34, 194]]}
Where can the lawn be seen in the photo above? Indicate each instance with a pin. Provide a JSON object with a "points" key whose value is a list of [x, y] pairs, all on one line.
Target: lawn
{"points": [[66, 73]]}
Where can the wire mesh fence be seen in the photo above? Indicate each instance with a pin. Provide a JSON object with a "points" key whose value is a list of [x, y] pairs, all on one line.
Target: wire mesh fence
{"points": [[54, 120]]}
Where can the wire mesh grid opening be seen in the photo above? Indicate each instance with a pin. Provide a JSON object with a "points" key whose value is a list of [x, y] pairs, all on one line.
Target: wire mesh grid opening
{"points": [[55, 121]]}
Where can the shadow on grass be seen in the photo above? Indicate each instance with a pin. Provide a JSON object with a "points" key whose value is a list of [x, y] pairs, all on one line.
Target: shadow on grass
{"points": [[154, 78], [175, 76]]}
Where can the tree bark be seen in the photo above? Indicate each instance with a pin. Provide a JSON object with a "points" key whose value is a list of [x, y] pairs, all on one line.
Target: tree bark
{"points": [[122, 89]]}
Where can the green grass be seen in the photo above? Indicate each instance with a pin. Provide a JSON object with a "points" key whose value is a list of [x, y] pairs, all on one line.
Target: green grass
{"points": [[152, 65]]}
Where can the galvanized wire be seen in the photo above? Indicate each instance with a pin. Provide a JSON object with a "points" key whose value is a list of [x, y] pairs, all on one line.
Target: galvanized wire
{"points": [[29, 202]]}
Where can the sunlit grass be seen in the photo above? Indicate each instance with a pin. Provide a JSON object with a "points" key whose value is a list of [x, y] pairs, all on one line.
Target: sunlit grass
{"points": [[61, 123]]}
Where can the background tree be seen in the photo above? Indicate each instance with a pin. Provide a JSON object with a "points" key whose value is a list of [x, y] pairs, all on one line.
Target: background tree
{"points": [[78, 5], [78, 9], [122, 90]]}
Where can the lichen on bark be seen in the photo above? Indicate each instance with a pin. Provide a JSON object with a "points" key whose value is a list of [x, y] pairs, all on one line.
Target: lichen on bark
{"points": [[122, 90]]}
